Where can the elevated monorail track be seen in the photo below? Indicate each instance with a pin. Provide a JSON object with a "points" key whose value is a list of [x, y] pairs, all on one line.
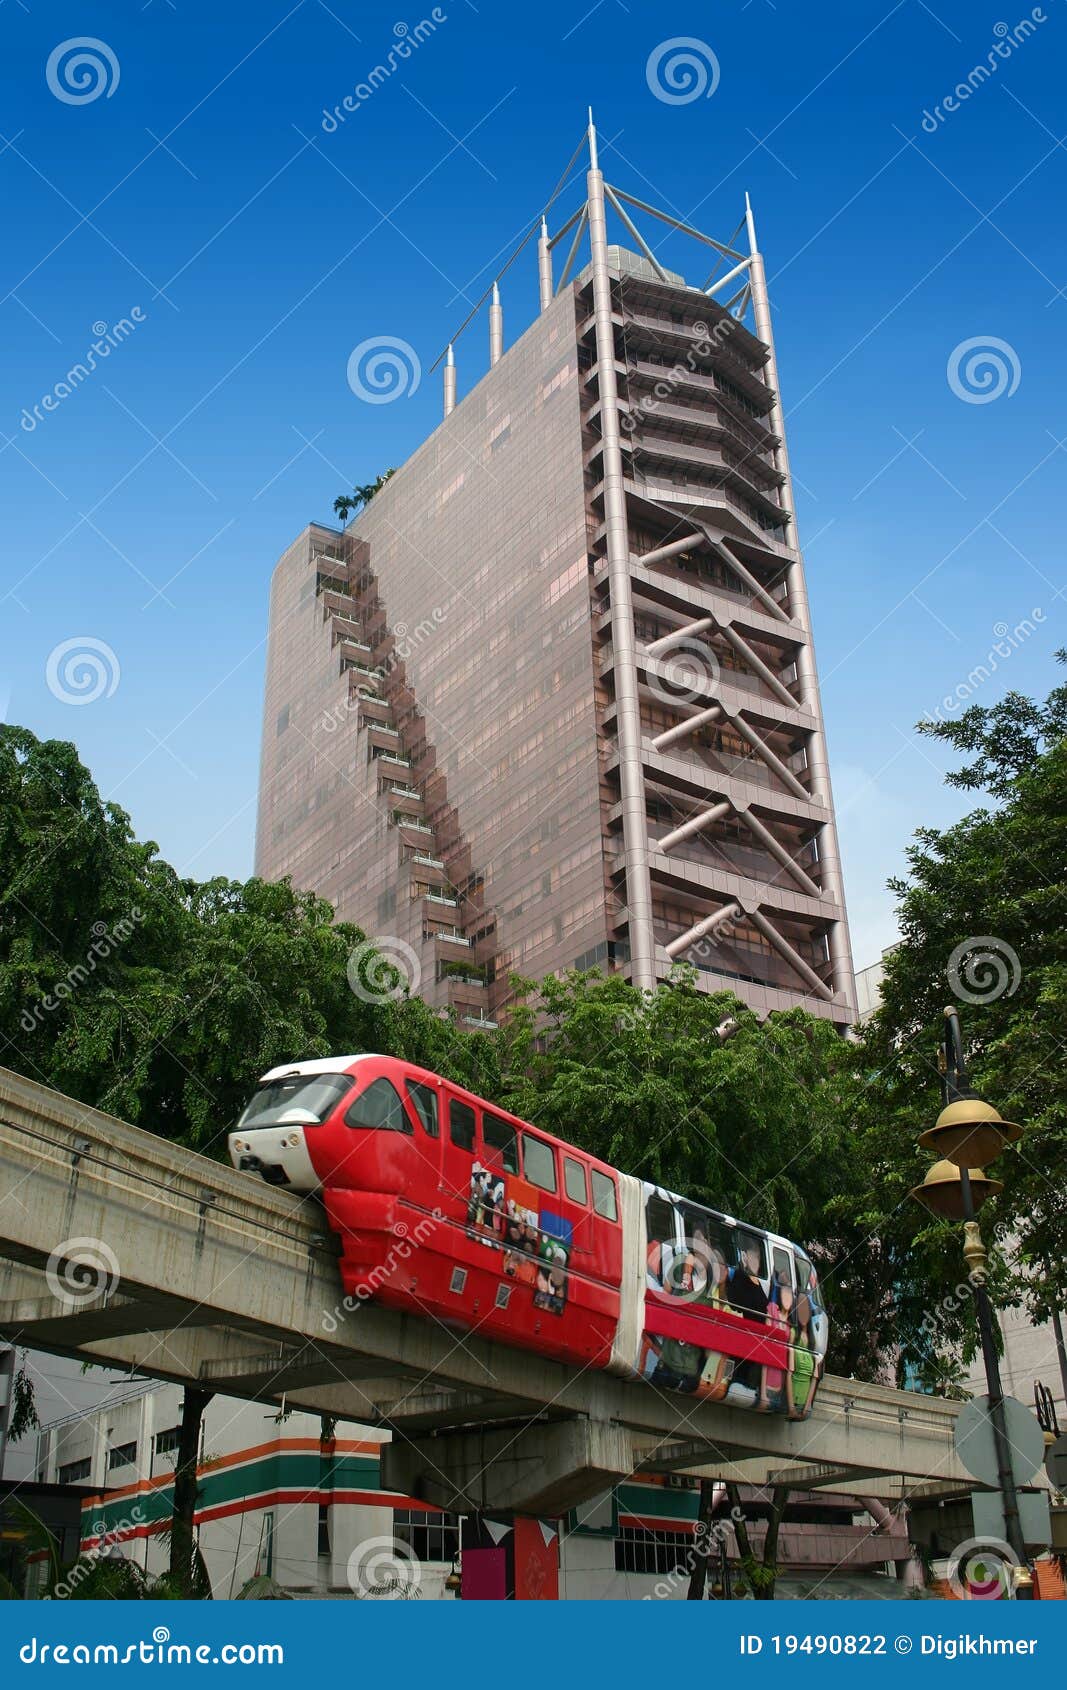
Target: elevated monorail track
{"points": [[204, 1275]]}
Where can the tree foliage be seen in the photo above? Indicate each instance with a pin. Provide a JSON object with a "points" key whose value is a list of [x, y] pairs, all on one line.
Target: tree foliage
{"points": [[361, 495], [983, 918], [159, 998], [757, 1126]]}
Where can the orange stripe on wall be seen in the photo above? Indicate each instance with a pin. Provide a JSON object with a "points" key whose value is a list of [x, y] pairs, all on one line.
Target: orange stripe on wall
{"points": [[278, 1446]]}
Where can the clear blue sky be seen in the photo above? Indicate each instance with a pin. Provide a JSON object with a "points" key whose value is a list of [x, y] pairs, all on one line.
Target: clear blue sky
{"points": [[146, 509]]}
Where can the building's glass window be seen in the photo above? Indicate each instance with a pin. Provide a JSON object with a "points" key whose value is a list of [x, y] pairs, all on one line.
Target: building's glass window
{"points": [[122, 1455], [167, 1442], [640, 1549], [324, 1529], [75, 1471], [429, 1534]]}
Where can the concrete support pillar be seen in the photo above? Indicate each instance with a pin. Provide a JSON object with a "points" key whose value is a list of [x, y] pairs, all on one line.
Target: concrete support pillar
{"points": [[544, 1470], [829, 853], [628, 715]]}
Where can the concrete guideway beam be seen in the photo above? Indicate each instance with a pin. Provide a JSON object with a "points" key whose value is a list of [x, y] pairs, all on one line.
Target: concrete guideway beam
{"points": [[540, 1469], [249, 1273]]}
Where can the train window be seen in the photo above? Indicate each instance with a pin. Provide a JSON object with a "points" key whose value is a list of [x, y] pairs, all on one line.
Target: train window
{"points": [[379, 1107], [425, 1100], [604, 1196], [498, 1134], [659, 1219], [751, 1248], [574, 1180], [539, 1163], [461, 1124], [708, 1236], [315, 1094], [782, 1266]]}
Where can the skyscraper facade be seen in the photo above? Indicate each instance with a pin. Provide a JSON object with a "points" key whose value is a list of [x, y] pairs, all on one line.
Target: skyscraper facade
{"points": [[551, 699]]}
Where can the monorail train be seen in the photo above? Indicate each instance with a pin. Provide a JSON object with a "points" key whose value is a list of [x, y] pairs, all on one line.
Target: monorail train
{"points": [[449, 1206]]}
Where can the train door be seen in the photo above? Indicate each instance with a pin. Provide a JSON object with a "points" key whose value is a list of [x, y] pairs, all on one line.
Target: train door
{"points": [[424, 1103], [458, 1140]]}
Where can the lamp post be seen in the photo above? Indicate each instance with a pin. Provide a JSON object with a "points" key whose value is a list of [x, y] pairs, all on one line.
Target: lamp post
{"points": [[967, 1135]]}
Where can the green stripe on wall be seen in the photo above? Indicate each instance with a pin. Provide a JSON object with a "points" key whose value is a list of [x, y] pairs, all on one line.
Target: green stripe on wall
{"points": [[294, 1470]]}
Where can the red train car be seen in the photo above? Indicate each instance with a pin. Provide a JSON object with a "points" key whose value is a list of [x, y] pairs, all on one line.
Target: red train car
{"points": [[448, 1205]]}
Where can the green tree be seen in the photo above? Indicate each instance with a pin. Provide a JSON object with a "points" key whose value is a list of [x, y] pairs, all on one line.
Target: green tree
{"points": [[348, 503], [757, 1126], [163, 999], [983, 919]]}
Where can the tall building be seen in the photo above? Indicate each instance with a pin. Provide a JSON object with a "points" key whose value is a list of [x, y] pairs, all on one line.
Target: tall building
{"points": [[551, 699]]}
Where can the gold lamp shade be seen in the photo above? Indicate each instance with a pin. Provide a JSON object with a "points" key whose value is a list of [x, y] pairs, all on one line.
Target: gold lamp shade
{"points": [[969, 1133], [942, 1190]]}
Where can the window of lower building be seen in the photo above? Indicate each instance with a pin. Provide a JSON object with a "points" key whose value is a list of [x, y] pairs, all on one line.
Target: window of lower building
{"points": [[324, 1529], [75, 1471], [430, 1536], [642, 1549]]}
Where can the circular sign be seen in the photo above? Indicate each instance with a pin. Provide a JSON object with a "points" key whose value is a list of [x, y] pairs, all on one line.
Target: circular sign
{"points": [[1056, 1463], [976, 1447]]}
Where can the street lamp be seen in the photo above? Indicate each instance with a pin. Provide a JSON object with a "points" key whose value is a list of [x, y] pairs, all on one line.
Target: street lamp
{"points": [[967, 1135]]}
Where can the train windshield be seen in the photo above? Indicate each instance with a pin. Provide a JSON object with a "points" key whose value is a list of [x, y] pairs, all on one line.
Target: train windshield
{"points": [[294, 1097]]}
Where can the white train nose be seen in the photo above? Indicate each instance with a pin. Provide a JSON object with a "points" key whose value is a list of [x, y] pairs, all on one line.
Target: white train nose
{"points": [[278, 1154]]}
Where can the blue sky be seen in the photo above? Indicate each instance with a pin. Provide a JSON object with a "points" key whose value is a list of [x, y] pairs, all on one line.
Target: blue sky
{"points": [[145, 510]]}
